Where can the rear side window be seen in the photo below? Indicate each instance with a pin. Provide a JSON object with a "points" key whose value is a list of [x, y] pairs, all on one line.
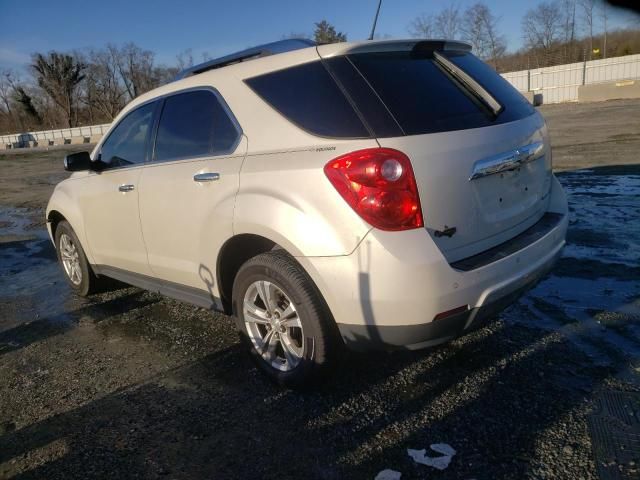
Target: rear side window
{"points": [[127, 142], [308, 96], [194, 124], [425, 99]]}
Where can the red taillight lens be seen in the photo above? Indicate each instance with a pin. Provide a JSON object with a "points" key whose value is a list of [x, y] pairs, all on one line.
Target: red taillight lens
{"points": [[378, 183]]}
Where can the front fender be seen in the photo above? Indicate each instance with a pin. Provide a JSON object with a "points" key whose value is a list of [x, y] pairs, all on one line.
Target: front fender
{"points": [[64, 202]]}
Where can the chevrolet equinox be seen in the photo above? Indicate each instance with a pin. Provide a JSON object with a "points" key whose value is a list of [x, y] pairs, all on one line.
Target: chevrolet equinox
{"points": [[378, 195]]}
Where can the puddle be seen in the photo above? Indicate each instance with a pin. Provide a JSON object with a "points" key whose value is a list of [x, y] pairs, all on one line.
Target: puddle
{"points": [[31, 284], [593, 293], [36, 302]]}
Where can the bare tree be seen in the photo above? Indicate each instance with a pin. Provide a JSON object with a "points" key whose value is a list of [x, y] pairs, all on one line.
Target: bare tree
{"points": [[163, 74], [6, 90], [542, 25], [604, 14], [480, 29], [185, 59], [103, 89], [422, 26], [59, 75], [447, 23], [588, 12], [135, 67], [568, 8]]}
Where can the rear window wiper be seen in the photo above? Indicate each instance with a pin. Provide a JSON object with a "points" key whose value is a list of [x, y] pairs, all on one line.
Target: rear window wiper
{"points": [[469, 83]]}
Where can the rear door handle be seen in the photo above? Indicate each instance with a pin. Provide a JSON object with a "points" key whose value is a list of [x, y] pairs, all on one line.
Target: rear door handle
{"points": [[126, 187], [206, 177]]}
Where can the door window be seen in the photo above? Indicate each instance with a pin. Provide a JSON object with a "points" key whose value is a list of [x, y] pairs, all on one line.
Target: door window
{"points": [[194, 124], [127, 141]]}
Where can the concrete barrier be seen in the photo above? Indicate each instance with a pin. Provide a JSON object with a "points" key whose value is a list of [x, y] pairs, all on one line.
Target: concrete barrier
{"points": [[609, 91], [76, 140], [92, 132]]}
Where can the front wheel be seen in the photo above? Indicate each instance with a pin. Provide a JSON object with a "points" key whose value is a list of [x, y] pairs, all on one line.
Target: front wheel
{"points": [[283, 320], [73, 260]]}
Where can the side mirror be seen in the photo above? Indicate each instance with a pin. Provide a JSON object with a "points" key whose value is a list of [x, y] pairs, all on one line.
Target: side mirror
{"points": [[77, 162]]}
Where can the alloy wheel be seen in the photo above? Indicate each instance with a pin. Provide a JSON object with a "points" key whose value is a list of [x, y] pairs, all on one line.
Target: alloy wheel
{"points": [[70, 257], [273, 325]]}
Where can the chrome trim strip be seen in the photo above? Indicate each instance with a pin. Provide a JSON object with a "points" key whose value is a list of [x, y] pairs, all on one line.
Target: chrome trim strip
{"points": [[504, 162]]}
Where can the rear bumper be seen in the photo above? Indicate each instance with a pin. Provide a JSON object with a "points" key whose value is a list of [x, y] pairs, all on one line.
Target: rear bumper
{"points": [[413, 337], [390, 290]]}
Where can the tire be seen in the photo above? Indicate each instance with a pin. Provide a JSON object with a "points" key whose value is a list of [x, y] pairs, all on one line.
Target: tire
{"points": [[80, 278], [305, 343]]}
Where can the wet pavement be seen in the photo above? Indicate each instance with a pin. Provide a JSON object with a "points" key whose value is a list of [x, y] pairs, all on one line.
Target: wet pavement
{"points": [[127, 384]]}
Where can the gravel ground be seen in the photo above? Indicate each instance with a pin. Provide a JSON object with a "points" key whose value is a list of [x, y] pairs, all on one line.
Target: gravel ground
{"points": [[128, 384]]}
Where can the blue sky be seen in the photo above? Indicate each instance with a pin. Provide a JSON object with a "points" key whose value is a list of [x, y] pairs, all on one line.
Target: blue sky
{"points": [[168, 27]]}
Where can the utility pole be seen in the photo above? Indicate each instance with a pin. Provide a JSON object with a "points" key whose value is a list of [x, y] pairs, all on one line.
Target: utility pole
{"points": [[375, 20], [604, 18]]}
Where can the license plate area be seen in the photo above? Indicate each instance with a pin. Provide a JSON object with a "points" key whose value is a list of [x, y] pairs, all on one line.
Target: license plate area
{"points": [[506, 198]]}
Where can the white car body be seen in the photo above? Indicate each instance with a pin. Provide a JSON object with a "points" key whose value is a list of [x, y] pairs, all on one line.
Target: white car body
{"points": [[409, 288]]}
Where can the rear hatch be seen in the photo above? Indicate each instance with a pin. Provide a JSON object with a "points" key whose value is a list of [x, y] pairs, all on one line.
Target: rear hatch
{"points": [[479, 150]]}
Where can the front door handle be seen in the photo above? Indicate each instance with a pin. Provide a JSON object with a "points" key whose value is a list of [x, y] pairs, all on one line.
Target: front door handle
{"points": [[126, 187], [206, 177]]}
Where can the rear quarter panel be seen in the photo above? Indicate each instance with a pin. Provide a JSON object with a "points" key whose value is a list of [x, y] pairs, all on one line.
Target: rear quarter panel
{"points": [[286, 197]]}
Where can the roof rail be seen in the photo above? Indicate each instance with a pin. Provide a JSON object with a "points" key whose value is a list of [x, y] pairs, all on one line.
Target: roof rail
{"points": [[272, 48]]}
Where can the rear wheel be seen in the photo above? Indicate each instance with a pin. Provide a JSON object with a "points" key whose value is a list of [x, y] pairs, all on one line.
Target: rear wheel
{"points": [[283, 320], [73, 260]]}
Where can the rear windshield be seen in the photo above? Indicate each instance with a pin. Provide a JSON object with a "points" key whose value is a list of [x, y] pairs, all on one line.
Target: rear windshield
{"points": [[425, 99]]}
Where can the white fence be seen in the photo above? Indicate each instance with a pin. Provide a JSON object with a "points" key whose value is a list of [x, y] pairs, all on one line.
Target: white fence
{"points": [[560, 83], [56, 137]]}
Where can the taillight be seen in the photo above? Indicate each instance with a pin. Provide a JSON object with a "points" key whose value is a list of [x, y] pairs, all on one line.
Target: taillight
{"points": [[378, 183]]}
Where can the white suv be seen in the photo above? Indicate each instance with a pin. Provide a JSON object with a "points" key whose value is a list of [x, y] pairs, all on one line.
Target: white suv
{"points": [[379, 194]]}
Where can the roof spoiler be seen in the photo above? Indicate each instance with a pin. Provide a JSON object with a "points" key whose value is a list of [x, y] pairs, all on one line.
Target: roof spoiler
{"points": [[414, 44], [272, 48]]}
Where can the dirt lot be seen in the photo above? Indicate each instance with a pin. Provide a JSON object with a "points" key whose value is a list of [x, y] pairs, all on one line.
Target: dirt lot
{"points": [[127, 384]]}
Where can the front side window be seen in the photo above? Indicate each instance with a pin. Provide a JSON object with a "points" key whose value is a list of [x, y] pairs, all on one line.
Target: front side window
{"points": [[194, 124], [127, 142]]}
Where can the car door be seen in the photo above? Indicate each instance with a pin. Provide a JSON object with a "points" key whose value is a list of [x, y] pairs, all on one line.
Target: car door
{"points": [[109, 198], [187, 191]]}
